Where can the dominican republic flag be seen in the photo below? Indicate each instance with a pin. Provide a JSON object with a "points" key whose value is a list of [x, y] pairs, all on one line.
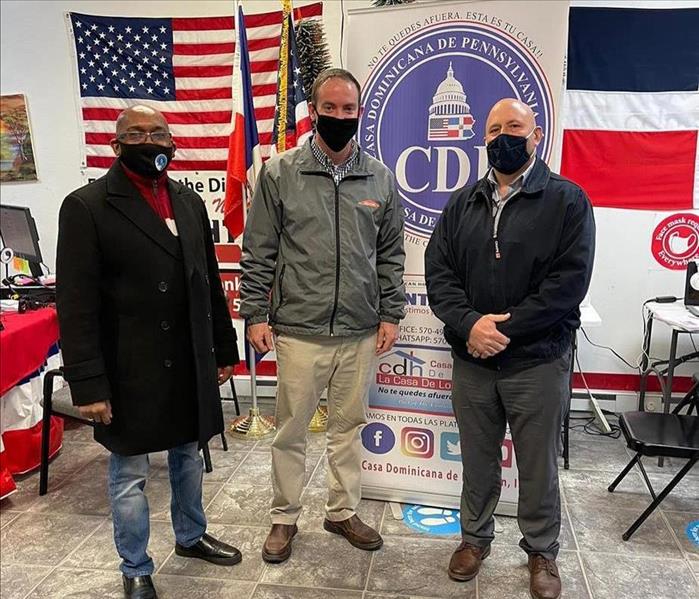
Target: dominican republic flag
{"points": [[292, 125], [450, 127], [244, 157], [632, 106]]}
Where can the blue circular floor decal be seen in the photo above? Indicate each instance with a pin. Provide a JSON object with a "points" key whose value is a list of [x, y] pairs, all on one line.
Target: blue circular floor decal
{"points": [[692, 531], [431, 520]]}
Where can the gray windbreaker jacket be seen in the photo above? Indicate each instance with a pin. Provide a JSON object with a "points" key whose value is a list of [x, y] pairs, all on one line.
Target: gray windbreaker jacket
{"points": [[320, 258]]}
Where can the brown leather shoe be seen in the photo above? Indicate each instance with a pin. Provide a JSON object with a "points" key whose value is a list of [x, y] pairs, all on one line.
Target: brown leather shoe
{"points": [[356, 532], [466, 561], [277, 547], [544, 580]]}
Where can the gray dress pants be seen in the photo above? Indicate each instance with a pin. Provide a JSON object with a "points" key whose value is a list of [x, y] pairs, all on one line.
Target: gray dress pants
{"points": [[534, 402]]}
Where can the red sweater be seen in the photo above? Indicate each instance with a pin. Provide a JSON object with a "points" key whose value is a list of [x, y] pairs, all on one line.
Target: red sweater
{"points": [[157, 194]]}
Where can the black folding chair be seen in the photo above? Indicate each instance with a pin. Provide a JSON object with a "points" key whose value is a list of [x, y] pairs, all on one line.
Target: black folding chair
{"points": [[672, 435], [55, 404], [60, 404], [565, 433]]}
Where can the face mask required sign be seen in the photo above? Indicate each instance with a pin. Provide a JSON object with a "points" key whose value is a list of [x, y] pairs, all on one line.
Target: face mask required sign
{"points": [[430, 74]]}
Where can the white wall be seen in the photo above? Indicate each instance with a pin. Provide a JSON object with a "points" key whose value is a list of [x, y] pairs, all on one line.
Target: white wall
{"points": [[35, 59]]}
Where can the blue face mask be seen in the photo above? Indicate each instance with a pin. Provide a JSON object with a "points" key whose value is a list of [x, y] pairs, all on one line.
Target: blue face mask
{"points": [[508, 153]]}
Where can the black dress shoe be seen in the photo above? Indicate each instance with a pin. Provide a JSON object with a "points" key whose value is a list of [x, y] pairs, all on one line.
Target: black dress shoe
{"points": [[139, 587], [211, 550]]}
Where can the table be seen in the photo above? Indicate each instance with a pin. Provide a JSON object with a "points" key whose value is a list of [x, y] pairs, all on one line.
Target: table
{"points": [[681, 321], [28, 342]]}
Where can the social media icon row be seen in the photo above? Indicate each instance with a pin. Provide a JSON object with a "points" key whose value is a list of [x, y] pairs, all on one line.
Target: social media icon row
{"points": [[415, 442]]}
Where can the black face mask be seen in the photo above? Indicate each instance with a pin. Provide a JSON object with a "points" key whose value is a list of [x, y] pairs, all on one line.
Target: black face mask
{"points": [[336, 132], [147, 160], [508, 153]]}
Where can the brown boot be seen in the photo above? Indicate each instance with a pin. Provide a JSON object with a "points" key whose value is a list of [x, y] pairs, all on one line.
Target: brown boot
{"points": [[544, 580], [277, 547], [356, 532], [466, 561]]}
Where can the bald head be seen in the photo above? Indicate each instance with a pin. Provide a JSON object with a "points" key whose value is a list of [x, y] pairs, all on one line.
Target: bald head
{"points": [[140, 117], [509, 116], [136, 121]]}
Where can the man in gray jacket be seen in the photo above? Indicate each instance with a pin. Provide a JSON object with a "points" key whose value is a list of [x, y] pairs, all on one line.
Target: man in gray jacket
{"points": [[323, 270]]}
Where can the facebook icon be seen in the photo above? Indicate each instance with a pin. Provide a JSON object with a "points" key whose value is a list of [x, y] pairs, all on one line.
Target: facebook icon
{"points": [[378, 438]]}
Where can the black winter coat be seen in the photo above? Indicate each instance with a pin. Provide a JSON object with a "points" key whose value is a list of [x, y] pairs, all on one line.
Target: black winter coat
{"points": [[143, 317], [546, 242]]}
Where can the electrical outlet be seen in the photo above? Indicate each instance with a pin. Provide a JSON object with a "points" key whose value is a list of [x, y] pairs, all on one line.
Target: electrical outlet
{"points": [[651, 405]]}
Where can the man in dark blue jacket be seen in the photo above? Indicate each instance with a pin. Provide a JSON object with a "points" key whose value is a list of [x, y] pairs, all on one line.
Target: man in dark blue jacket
{"points": [[507, 267]]}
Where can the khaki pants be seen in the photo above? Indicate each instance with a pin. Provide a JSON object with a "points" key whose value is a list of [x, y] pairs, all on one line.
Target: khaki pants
{"points": [[305, 367]]}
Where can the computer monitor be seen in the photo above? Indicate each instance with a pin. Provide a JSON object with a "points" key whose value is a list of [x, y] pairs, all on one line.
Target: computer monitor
{"points": [[18, 232]]}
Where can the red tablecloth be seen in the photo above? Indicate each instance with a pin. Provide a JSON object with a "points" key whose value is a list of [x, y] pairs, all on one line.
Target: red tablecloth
{"points": [[25, 343]]}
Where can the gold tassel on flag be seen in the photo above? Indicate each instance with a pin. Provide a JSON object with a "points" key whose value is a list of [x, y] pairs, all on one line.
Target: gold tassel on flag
{"points": [[283, 78]]}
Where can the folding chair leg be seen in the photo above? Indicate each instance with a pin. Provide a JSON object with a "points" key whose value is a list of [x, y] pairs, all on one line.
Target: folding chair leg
{"points": [[207, 458], [224, 442], [656, 502], [235, 397], [623, 474], [566, 441], [45, 440], [645, 478]]}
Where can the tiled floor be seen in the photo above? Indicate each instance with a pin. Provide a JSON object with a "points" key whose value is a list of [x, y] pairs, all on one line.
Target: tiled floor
{"points": [[60, 545]]}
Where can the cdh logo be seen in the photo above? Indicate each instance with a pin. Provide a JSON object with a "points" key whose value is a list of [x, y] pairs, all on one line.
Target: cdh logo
{"points": [[417, 442], [378, 438], [402, 363], [426, 105]]}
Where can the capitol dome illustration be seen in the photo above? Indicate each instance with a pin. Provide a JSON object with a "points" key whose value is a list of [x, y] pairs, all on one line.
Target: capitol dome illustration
{"points": [[449, 114]]}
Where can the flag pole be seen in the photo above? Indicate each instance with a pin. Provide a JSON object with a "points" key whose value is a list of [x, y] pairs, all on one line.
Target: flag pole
{"points": [[253, 426], [319, 422]]}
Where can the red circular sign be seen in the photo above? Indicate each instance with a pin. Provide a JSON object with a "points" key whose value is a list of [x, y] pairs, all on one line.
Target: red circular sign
{"points": [[676, 240]]}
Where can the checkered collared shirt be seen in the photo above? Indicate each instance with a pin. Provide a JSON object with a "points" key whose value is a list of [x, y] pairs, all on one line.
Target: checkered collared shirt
{"points": [[337, 171]]}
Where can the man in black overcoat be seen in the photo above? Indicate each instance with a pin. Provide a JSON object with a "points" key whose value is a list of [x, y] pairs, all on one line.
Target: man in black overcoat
{"points": [[146, 336]]}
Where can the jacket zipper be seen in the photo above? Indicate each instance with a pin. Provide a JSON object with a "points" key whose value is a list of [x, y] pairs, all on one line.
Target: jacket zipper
{"points": [[337, 256], [496, 223]]}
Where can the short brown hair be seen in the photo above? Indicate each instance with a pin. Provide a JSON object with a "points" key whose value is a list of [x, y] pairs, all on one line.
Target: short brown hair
{"points": [[327, 74]]}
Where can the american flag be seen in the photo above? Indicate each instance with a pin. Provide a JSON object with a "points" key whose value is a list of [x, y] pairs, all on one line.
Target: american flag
{"points": [[292, 125], [181, 66], [451, 127]]}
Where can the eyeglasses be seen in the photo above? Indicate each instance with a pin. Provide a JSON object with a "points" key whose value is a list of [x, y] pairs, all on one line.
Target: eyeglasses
{"points": [[139, 137]]}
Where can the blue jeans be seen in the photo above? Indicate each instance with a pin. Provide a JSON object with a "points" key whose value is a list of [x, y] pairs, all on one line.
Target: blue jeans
{"points": [[127, 482]]}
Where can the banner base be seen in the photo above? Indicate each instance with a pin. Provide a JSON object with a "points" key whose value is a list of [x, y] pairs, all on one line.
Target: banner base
{"points": [[504, 508]]}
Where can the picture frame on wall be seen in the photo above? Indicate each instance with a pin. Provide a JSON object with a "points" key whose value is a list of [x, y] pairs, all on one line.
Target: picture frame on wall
{"points": [[16, 148]]}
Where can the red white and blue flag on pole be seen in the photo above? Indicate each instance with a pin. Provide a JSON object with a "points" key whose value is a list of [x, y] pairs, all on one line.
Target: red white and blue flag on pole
{"points": [[244, 157], [632, 106], [292, 125]]}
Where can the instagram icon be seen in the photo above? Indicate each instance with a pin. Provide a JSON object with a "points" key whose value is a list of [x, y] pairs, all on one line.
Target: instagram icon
{"points": [[417, 442]]}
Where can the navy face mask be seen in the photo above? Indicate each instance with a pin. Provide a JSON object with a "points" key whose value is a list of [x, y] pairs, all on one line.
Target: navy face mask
{"points": [[508, 153]]}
